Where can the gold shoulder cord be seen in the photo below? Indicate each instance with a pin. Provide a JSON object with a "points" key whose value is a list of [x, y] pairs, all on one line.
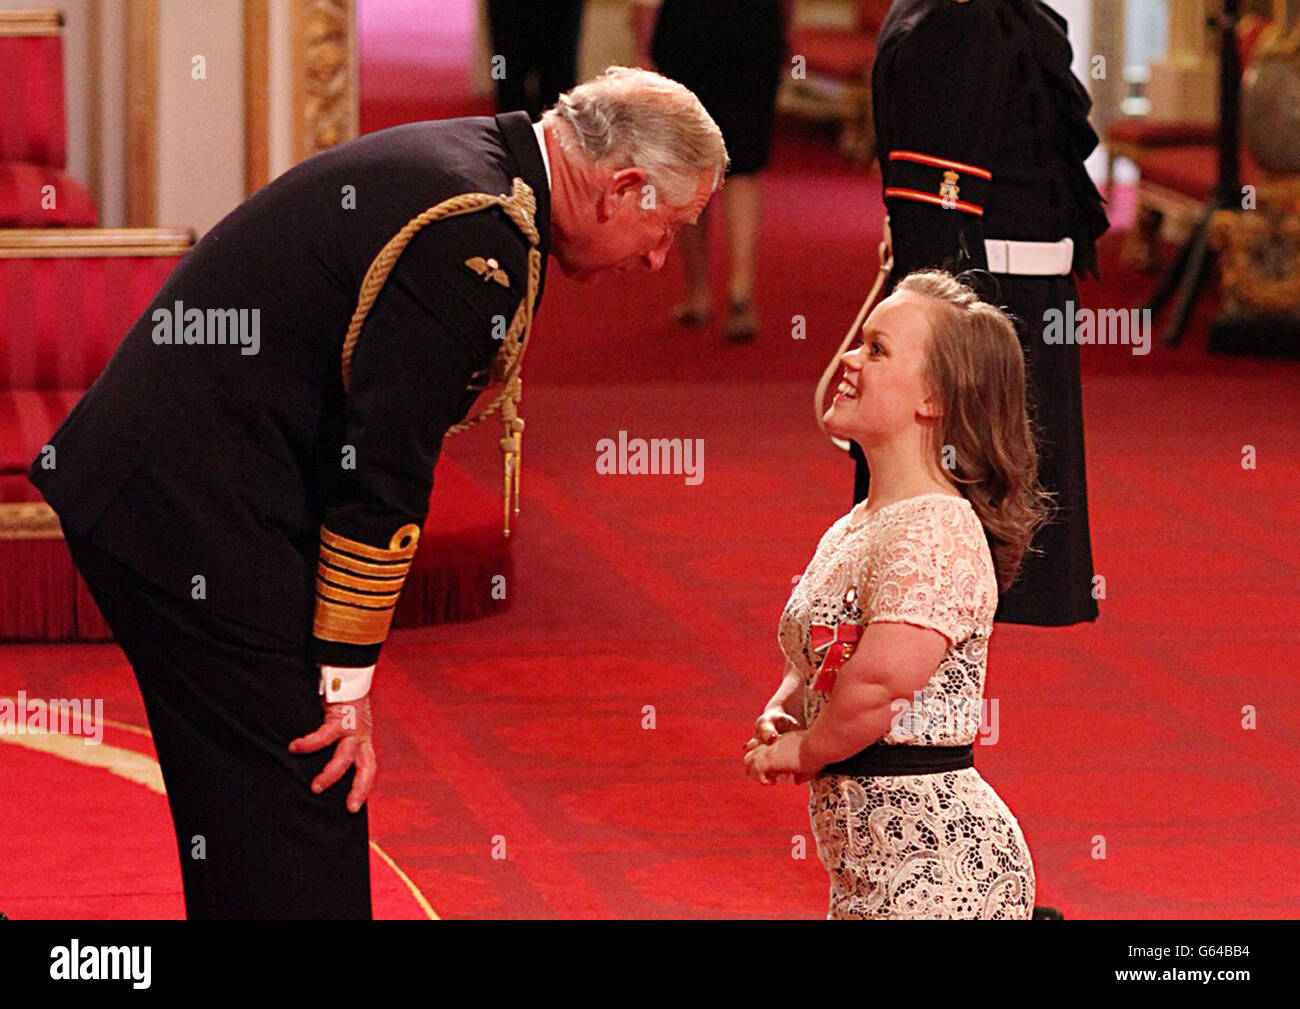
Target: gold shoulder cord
{"points": [[521, 207], [886, 254]]}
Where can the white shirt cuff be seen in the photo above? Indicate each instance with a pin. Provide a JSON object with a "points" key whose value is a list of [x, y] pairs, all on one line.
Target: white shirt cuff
{"points": [[339, 683]]}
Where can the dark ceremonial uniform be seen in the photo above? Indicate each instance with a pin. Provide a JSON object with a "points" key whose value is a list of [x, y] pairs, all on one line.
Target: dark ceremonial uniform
{"points": [[241, 517], [982, 132]]}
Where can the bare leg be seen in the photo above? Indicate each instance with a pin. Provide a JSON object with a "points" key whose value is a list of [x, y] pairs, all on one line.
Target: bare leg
{"points": [[744, 197], [695, 254]]}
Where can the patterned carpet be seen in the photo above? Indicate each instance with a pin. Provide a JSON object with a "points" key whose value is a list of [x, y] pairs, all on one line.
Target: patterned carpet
{"points": [[636, 597]]}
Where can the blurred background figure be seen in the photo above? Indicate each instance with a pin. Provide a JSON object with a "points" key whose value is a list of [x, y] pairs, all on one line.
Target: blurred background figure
{"points": [[539, 40], [730, 53]]}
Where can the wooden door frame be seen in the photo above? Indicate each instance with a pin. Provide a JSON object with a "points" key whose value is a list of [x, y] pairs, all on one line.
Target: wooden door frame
{"points": [[325, 99], [141, 113]]}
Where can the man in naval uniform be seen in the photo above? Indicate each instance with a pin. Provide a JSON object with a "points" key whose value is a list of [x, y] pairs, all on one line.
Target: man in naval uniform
{"points": [[245, 510], [982, 131]]}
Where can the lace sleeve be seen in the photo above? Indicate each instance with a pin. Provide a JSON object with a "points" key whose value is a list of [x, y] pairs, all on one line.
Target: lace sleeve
{"points": [[928, 571]]}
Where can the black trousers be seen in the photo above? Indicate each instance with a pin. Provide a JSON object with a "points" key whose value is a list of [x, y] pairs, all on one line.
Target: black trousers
{"points": [[223, 702]]}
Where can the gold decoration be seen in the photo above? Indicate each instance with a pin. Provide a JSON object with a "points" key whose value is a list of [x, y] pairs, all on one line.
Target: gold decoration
{"points": [[325, 87], [488, 269], [361, 617], [948, 188], [521, 207], [29, 520], [1260, 252], [351, 625], [400, 546]]}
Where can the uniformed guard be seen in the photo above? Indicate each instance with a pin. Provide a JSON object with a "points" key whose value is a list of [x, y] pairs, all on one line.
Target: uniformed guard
{"points": [[246, 509], [982, 131]]}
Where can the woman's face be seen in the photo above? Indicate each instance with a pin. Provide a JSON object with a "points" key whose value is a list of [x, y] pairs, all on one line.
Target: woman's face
{"points": [[883, 389]]}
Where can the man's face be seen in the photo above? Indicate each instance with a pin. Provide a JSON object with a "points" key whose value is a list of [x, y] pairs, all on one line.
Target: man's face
{"points": [[629, 228]]}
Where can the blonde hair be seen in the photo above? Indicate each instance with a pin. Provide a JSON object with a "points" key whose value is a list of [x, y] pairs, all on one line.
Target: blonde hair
{"points": [[976, 366], [637, 117]]}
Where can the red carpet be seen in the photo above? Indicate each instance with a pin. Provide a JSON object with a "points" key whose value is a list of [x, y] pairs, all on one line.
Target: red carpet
{"points": [[92, 842], [636, 593]]}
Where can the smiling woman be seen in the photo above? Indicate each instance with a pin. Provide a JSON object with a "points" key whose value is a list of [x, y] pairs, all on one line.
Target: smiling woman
{"points": [[935, 353], [895, 610]]}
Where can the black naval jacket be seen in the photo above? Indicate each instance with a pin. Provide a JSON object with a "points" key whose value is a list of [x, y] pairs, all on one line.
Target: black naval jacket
{"points": [[974, 100], [982, 132], [293, 501]]}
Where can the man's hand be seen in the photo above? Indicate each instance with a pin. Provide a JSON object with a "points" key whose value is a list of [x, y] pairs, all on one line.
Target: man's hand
{"points": [[349, 724]]}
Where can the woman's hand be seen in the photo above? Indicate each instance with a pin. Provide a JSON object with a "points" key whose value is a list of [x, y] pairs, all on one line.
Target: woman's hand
{"points": [[772, 722], [769, 763]]}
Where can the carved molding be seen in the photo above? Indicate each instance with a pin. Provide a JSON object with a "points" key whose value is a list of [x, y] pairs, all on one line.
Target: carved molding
{"points": [[1259, 251], [81, 243], [34, 520], [326, 96], [31, 23]]}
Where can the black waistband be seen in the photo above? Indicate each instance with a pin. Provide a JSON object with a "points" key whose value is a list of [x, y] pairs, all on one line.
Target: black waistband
{"points": [[880, 759]]}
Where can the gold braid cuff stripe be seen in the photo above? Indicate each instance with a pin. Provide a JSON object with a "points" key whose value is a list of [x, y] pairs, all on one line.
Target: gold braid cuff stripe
{"points": [[521, 207], [350, 625], [367, 602], [400, 547], [388, 583], [349, 563], [360, 618]]}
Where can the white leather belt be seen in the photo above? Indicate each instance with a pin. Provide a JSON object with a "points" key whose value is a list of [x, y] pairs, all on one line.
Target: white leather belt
{"points": [[1030, 259]]}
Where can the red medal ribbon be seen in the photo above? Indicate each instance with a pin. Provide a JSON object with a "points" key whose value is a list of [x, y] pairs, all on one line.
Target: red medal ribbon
{"points": [[835, 645]]}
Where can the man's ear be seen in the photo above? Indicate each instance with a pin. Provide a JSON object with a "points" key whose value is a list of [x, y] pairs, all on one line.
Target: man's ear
{"points": [[625, 184], [628, 183]]}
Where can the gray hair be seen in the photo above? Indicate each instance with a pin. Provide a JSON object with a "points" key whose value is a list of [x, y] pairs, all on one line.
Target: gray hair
{"points": [[637, 117]]}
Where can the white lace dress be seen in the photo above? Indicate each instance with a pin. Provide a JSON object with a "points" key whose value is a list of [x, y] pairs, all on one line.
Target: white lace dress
{"points": [[920, 845]]}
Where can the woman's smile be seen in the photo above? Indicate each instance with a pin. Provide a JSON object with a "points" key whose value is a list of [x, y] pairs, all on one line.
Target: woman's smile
{"points": [[846, 389]]}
